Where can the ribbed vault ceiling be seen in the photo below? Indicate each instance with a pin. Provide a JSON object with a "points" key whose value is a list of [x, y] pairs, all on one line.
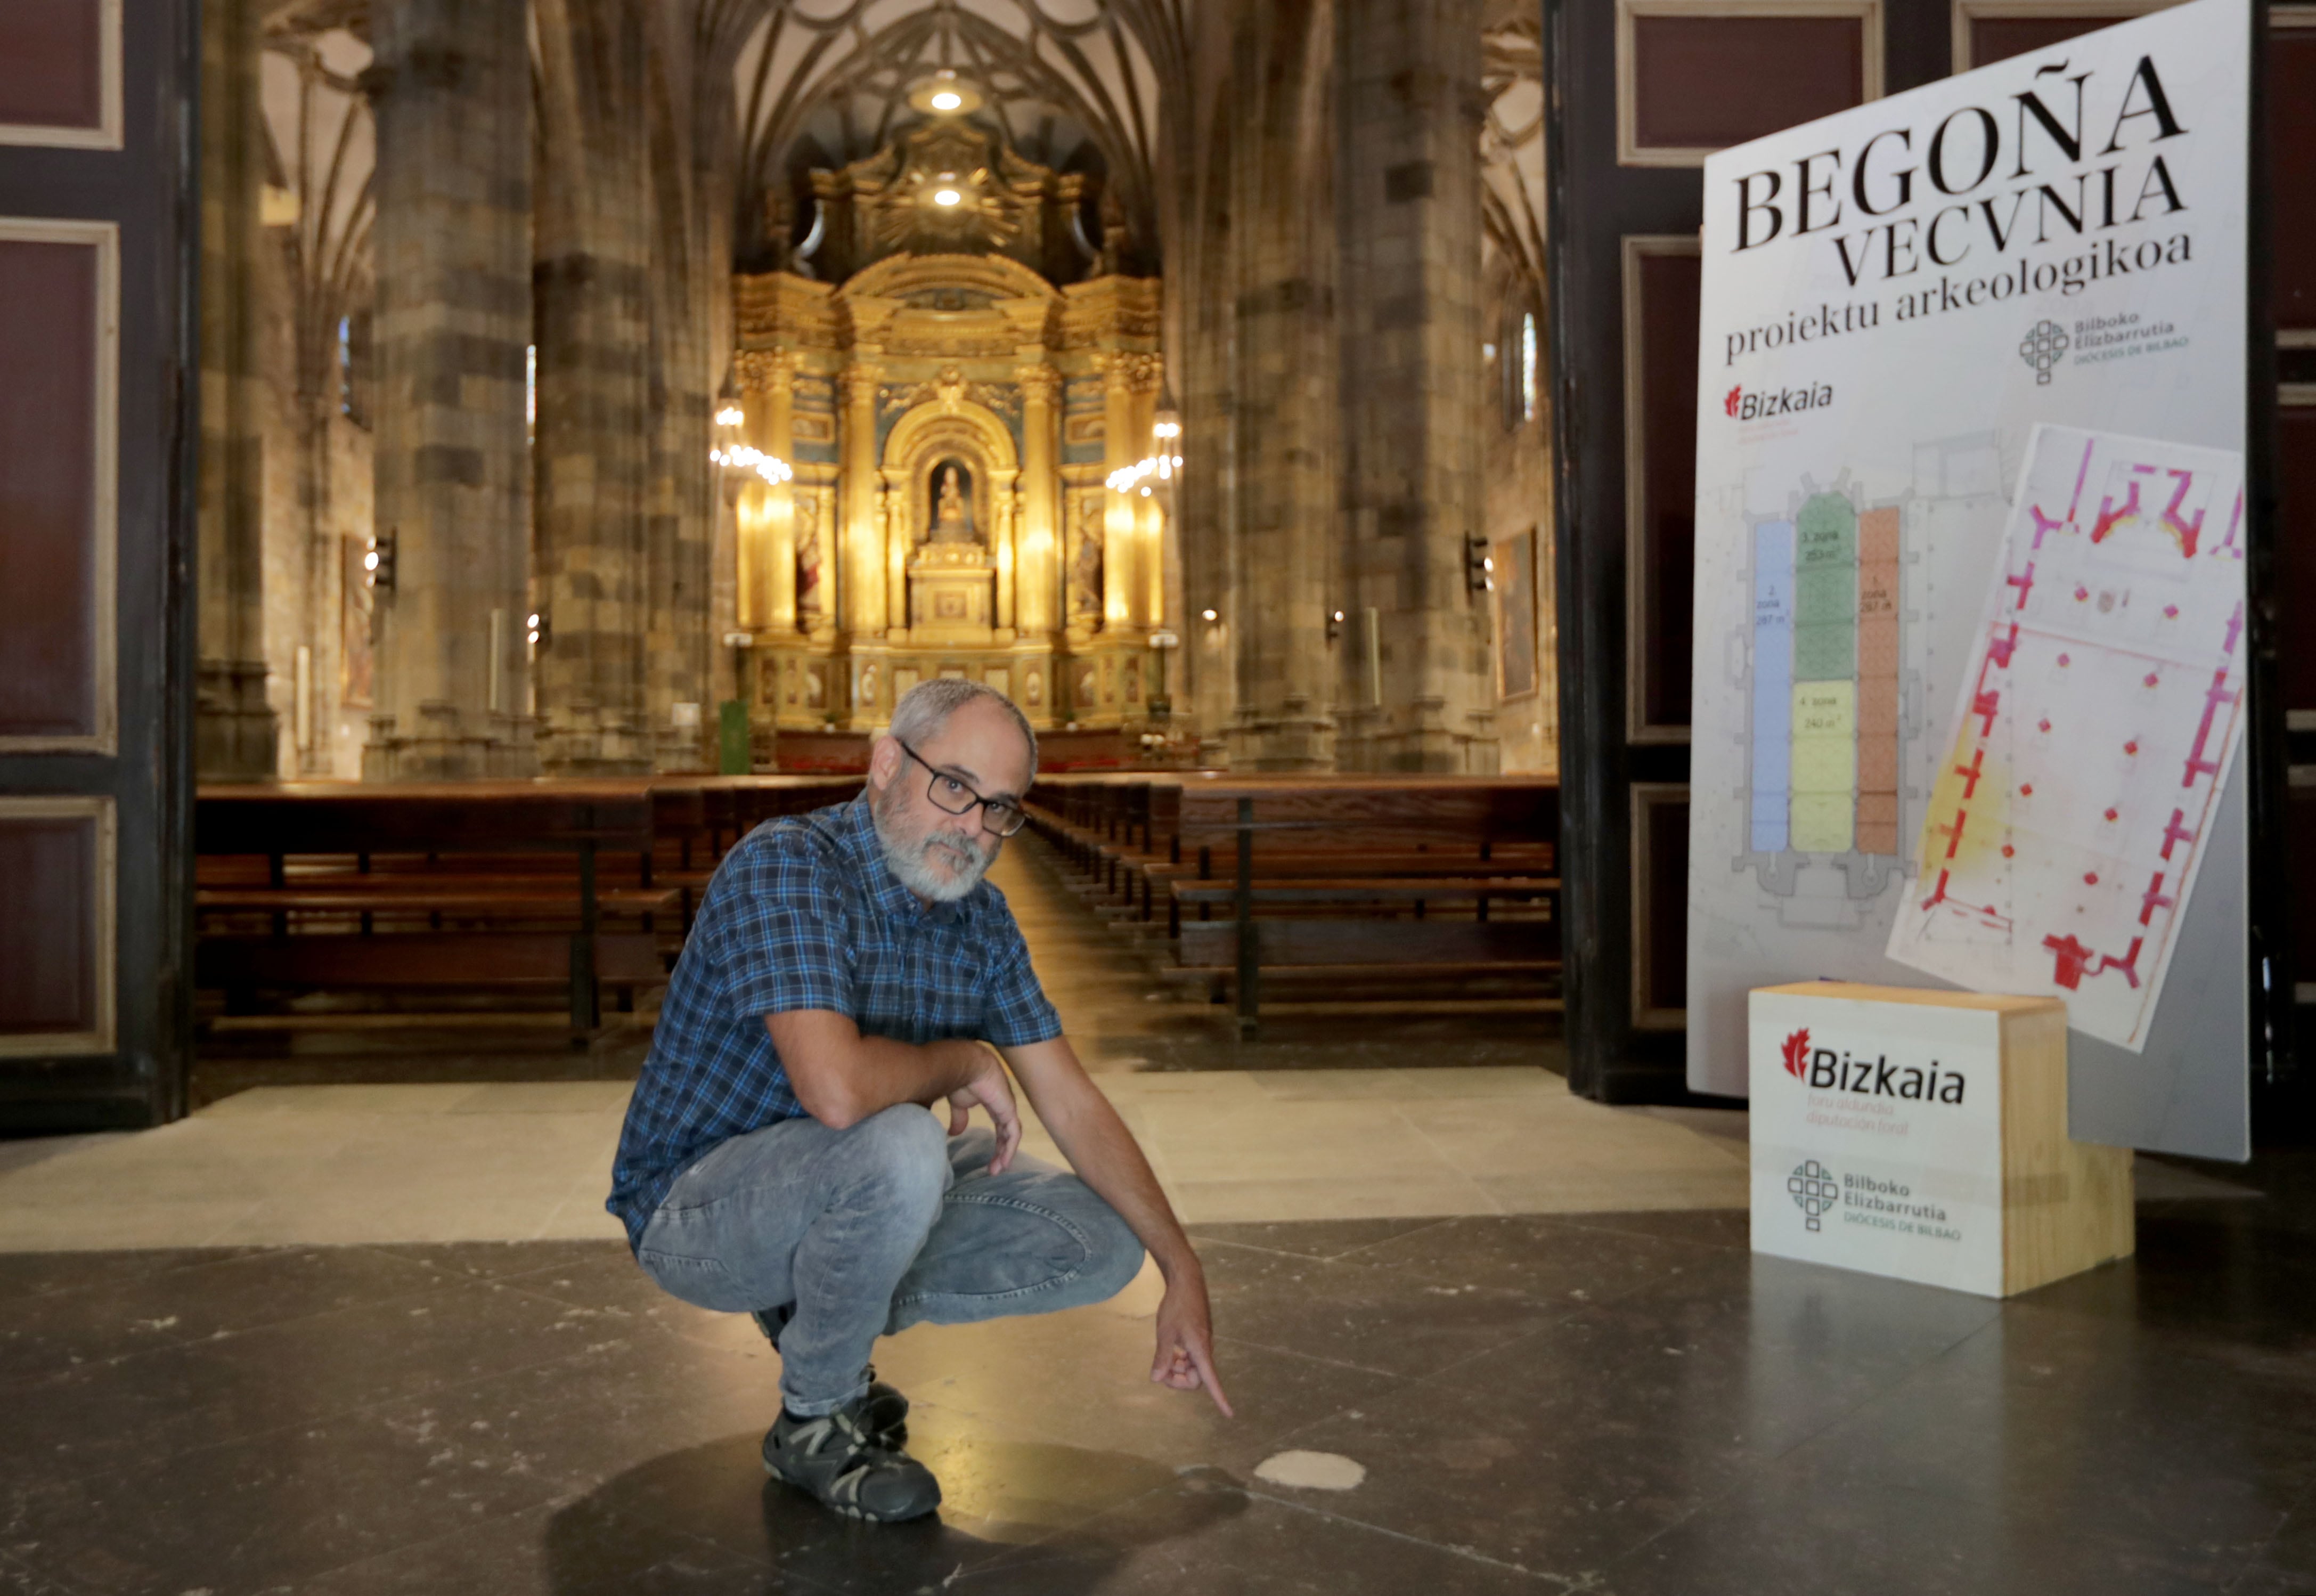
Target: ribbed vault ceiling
{"points": [[322, 154], [826, 81], [1512, 137]]}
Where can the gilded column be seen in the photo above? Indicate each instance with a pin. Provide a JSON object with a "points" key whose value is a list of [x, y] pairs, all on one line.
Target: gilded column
{"points": [[1147, 600], [892, 537], [860, 546], [1006, 510], [1120, 547], [1038, 553], [776, 377]]}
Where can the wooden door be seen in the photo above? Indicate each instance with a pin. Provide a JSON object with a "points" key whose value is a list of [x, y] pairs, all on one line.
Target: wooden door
{"points": [[97, 418], [1689, 76]]}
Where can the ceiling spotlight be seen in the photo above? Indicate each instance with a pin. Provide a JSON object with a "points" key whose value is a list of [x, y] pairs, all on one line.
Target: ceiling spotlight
{"points": [[945, 94], [1206, 614], [947, 197]]}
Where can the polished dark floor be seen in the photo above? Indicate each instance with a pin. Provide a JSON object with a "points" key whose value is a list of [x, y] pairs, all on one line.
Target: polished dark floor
{"points": [[1626, 1404]]}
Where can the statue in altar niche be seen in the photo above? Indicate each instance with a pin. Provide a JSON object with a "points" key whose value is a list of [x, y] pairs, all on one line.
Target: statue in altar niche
{"points": [[952, 506]]}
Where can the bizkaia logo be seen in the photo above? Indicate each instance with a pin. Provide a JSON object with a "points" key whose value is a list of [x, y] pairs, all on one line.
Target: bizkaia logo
{"points": [[1741, 405], [1825, 1070]]}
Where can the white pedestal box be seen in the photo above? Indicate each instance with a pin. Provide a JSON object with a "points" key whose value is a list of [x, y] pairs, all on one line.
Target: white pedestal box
{"points": [[1923, 1136]]}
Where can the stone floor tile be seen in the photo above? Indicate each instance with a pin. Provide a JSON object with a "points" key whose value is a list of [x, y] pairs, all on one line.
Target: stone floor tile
{"points": [[563, 1549], [45, 1332], [24, 1274], [1211, 1537], [1349, 1313], [1785, 1530], [1315, 1238], [1547, 1259]]}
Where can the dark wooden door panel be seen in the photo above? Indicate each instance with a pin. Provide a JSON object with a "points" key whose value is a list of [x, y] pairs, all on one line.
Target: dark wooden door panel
{"points": [[2296, 555], [96, 421], [55, 937], [59, 70], [1626, 203], [2292, 134], [56, 290]]}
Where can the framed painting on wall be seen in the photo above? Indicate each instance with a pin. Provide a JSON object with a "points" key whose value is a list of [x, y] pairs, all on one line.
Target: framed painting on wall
{"points": [[1515, 577], [355, 622]]}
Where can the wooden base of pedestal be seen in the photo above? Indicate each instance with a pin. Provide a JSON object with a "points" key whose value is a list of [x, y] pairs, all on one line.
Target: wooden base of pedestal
{"points": [[1926, 1136]]}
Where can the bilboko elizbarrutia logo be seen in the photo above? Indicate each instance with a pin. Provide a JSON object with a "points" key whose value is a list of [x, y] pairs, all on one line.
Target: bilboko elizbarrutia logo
{"points": [[1825, 1070], [2045, 344], [1815, 1192]]}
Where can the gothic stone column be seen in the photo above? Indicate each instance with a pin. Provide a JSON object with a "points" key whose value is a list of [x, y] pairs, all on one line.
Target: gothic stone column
{"points": [[234, 738], [593, 272], [451, 85], [1408, 72], [1285, 418]]}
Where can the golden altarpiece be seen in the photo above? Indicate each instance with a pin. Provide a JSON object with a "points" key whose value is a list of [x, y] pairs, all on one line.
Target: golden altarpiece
{"points": [[951, 418]]}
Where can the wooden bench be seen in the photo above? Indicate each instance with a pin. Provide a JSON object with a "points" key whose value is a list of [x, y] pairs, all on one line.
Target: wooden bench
{"points": [[483, 885], [1402, 879], [580, 886]]}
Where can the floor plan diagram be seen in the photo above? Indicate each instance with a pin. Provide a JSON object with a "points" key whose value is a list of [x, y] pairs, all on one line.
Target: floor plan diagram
{"points": [[2091, 736]]}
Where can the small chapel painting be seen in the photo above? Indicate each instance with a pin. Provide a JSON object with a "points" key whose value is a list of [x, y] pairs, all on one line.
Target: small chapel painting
{"points": [[807, 556], [1085, 562], [952, 500]]}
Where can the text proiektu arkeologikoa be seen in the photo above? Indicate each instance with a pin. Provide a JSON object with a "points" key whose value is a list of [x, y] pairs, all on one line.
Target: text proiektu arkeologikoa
{"points": [[2108, 258], [2030, 178]]}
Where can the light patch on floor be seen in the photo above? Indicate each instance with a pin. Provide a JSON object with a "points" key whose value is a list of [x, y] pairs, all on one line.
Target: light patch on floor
{"points": [[284, 1165], [1311, 1471]]}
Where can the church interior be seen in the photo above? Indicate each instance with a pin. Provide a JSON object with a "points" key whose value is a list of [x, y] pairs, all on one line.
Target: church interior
{"points": [[854, 349], [466, 465]]}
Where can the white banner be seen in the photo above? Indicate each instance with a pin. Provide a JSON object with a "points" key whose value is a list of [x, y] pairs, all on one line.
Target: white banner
{"points": [[1893, 299]]}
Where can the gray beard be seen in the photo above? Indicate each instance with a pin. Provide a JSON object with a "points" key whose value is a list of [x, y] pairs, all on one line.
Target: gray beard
{"points": [[907, 859]]}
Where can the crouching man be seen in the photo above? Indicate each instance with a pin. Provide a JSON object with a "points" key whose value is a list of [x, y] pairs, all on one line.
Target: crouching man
{"points": [[848, 970]]}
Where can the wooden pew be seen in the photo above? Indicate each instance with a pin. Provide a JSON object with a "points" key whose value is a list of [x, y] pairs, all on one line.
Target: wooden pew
{"points": [[1377, 880], [480, 886]]}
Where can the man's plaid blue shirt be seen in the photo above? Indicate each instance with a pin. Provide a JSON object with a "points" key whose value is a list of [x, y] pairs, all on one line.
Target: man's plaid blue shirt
{"points": [[805, 913]]}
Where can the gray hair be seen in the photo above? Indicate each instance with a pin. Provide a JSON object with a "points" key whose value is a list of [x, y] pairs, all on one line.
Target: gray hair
{"points": [[925, 709]]}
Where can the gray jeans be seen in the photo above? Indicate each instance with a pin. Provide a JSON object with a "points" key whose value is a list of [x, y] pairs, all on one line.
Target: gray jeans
{"points": [[869, 1230]]}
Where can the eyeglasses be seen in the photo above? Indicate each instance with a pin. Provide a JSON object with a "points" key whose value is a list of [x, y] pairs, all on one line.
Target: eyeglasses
{"points": [[998, 816]]}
